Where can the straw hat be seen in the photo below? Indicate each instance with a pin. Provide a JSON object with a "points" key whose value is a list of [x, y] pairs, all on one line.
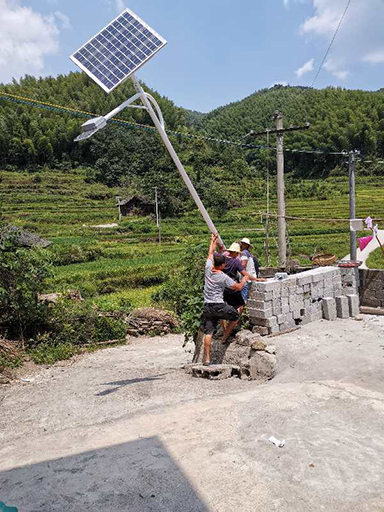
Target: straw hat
{"points": [[234, 248], [247, 241]]}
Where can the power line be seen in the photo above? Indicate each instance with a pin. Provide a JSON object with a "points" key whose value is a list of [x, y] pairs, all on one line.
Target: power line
{"points": [[131, 124], [331, 43], [80, 113]]}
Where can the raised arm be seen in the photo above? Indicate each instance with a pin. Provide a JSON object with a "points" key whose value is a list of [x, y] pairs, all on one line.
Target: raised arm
{"points": [[212, 246], [239, 286]]}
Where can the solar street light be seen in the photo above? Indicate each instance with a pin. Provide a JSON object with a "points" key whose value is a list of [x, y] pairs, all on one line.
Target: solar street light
{"points": [[112, 56]]}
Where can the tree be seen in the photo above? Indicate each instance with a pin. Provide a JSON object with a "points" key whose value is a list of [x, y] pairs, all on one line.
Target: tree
{"points": [[44, 150], [22, 277]]}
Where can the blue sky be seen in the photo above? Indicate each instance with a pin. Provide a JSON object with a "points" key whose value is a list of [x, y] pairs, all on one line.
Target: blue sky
{"points": [[218, 51]]}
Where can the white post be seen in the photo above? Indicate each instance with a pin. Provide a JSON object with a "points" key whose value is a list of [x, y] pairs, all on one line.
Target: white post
{"points": [[157, 215], [176, 159]]}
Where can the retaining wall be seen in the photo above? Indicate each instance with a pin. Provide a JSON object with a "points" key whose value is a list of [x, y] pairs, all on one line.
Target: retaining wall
{"points": [[275, 305], [371, 288]]}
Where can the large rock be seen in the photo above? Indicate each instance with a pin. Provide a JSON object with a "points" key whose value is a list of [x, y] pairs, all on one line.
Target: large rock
{"points": [[247, 351], [22, 238], [262, 366]]}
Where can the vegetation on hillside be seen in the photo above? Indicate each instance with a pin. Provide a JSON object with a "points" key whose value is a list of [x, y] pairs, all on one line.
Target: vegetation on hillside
{"points": [[136, 160]]}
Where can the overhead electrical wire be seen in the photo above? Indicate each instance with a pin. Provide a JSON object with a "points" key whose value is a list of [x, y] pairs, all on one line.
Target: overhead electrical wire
{"points": [[331, 43], [81, 113]]}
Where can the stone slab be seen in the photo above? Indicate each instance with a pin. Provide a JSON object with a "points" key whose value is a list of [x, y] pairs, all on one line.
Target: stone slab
{"points": [[354, 307], [329, 308], [342, 307]]}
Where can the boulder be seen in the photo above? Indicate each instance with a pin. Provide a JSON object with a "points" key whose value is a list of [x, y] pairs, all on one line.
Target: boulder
{"points": [[246, 350]]}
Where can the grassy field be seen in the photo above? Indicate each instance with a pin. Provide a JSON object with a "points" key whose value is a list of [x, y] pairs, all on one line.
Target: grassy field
{"points": [[126, 264], [376, 259]]}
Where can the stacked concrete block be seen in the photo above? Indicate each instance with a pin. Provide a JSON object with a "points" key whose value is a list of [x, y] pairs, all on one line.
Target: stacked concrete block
{"points": [[342, 307], [329, 308], [350, 280], [276, 306]]}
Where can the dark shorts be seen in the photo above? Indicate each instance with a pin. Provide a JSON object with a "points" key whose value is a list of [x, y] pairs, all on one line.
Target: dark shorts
{"points": [[234, 299], [215, 312]]}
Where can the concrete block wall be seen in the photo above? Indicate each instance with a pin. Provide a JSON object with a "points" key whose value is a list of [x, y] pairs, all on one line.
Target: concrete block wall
{"points": [[372, 288], [350, 280], [275, 306]]}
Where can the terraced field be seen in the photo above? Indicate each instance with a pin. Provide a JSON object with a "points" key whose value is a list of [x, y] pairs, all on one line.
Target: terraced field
{"points": [[126, 263]]}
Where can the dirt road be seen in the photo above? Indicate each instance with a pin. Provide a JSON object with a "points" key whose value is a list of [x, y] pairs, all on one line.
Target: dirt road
{"points": [[125, 429]]}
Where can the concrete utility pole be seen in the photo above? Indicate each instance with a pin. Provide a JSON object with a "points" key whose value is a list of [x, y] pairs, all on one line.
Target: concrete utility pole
{"points": [[352, 205], [278, 117], [280, 189]]}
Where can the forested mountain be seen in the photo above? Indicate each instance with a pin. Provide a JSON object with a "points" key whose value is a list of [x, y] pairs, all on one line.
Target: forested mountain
{"points": [[340, 119], [135, 158]]}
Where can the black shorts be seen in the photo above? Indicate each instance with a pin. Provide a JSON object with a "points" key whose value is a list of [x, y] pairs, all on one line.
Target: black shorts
{"points": [[215, 312], [233, 298]]}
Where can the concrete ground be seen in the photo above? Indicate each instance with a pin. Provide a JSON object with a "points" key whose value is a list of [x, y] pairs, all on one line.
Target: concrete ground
{"points": [[125, 429]]}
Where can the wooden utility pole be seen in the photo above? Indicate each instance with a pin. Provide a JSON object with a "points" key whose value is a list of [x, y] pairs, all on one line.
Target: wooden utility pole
{"points": [[278, 117], [158, 223]]}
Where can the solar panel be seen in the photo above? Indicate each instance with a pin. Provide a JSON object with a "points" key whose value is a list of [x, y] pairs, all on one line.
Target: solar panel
{"points": [[118, 51]]}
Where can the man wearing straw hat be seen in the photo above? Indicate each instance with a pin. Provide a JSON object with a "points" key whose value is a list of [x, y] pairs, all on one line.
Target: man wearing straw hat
{"points": [[233, 267], [248, 262]]}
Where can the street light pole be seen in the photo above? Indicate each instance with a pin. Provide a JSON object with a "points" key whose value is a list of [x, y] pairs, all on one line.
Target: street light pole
{"points": [[352, 205]]}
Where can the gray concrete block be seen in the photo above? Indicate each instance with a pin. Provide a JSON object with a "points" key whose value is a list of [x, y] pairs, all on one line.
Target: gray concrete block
{"points": [[342, 307], [304, 279], [285, 309], [280, 319], [329, 308], [306, 319], [276, 310], [316, 316], [274, 329], [271, 322], [270, 286], [288, 283], [353, 303], [263, 305], [296, 314], [260, 313]]}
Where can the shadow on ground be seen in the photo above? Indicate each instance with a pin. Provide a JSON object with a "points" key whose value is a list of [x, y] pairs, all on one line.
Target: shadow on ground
{"points": [[127, 382], [139, 476]]}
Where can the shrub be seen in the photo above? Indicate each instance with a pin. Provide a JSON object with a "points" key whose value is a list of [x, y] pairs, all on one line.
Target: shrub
{"points": [[79, 323], [183, 290], [22, 277], [67, 255]]}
